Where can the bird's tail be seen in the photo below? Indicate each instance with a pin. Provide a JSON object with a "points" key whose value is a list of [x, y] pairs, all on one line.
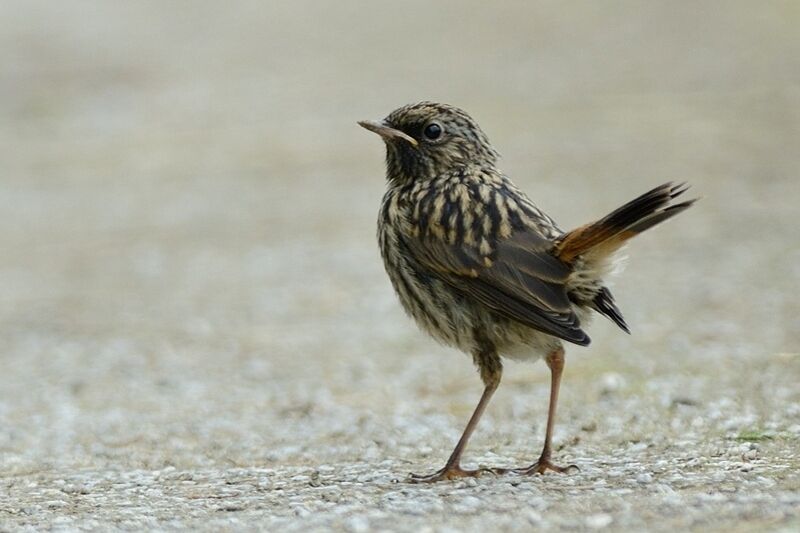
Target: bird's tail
{"points": [[600, 239]]}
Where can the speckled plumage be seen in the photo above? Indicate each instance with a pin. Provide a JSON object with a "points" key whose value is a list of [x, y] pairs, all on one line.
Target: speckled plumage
{"points": [[467, 212], [480, 267]]}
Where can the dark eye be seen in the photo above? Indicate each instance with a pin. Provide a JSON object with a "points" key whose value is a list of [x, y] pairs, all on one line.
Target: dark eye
{"points": [[432, 131]]}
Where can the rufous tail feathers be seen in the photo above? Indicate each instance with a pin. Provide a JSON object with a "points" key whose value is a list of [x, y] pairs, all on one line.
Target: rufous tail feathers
{"points": [[604, 237]]}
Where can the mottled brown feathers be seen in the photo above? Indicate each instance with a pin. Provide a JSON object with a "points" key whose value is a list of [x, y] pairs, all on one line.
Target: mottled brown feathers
{"points": [[468, 252]]}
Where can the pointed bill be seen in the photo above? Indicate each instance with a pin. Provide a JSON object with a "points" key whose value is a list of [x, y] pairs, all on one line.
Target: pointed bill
{"points": [[386, 132]]}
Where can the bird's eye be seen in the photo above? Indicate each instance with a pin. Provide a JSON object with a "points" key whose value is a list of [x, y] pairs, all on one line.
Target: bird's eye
{"points": [[432, 131]]}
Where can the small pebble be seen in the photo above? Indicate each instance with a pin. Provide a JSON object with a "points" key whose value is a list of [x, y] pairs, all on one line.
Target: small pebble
{"points": [[301, 511], [534, 517], [599, 521], [469, 504], [56, 504], [611, 382], [589, 427], [358, 524]]}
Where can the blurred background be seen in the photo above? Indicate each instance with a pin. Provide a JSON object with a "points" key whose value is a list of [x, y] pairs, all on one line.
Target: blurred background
{"points": [[190, 274]]}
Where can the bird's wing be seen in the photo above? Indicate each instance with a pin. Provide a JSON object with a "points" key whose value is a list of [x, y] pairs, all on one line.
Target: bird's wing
{"points": [[517, 277]]}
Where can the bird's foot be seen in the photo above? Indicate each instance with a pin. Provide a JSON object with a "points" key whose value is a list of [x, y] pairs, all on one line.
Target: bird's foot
{"points": [[539, 467], [447, 473]]}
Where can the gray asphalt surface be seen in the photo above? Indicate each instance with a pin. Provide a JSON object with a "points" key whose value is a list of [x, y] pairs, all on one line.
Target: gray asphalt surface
{"points": [[196, 330]]}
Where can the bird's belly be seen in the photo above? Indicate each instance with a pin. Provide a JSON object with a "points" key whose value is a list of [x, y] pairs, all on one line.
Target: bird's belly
{"points": [[457, 321], [521, 343]]}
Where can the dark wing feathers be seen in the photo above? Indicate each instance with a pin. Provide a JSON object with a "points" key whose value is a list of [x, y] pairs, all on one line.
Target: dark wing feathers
{"points": [[604, 304], [563, 326], [524, 276], [524, 282], [527, 251], [509, 277]]}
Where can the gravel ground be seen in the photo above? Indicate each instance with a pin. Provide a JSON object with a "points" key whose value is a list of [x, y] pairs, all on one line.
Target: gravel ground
{"points": [[196, 328]]}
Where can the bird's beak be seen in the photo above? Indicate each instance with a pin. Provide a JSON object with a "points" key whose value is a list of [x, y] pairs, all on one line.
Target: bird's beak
{"points": [[386, 132]]}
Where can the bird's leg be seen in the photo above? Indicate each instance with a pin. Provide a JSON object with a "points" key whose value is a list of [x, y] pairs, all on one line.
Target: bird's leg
{"points": [[555, 361], [491, 372]]}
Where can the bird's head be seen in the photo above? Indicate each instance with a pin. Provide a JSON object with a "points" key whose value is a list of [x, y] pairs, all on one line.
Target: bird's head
{"points": [[427, 140]]}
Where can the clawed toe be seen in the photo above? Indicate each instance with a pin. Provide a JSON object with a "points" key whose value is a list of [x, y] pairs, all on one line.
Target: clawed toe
{"points": [[539, 467], [456, 472], [447, 473], [542, 466]]}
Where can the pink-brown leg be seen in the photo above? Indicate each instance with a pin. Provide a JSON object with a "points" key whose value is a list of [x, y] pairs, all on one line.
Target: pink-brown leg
{"points": [[452, 469], [555, 361]]}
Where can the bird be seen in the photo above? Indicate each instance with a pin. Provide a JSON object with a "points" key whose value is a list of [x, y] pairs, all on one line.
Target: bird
{"points": [[479, 267]]}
